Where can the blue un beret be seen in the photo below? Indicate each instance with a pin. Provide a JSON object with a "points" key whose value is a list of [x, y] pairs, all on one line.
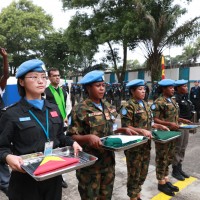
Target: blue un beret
{"points": [[30, 65], [166, 82], [180, 82], [91, 77], [136, 82]]}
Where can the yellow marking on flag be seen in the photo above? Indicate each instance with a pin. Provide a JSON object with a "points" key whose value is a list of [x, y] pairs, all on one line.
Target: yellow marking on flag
{"points": [[180, 184], [51, 158]]}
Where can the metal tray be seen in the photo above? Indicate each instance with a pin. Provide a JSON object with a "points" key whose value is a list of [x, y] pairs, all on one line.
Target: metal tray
{"points": [[31, 161], [195, 126], [165, 141], [129, 146]]}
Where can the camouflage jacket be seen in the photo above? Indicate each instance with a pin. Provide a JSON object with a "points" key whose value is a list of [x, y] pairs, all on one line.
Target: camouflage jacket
{"points": [[88, 119], [136, 115], [165, 109]]}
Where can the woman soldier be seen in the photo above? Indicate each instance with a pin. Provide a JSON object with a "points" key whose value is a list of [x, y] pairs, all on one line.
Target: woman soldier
{"points": [[93, 119], [165, 112], [136, 115], [28, 127]]}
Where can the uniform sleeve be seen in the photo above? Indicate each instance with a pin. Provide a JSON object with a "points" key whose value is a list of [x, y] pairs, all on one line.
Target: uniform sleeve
{"points": [[77, 121], [127, 115], [156, 109], [6, 136]]}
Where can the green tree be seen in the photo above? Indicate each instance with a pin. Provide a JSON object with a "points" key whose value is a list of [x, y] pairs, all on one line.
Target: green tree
{"points": [[24, 25], [55, 52], [161, 31], [107, 22]]}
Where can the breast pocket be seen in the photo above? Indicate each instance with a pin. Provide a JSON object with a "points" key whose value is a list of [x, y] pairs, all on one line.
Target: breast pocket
{"points": [[55, 125], [28, 132], [97, 124]]}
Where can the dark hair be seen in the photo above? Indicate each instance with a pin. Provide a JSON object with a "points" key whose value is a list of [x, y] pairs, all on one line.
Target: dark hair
{"points": [[21, 89], [52, 70], [133, 88]]}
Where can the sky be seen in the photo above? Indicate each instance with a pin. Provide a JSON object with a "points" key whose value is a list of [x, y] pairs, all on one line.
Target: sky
{"points": [[61, 20]]}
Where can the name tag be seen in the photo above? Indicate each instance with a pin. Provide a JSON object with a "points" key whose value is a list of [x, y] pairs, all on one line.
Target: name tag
{"points": [[23, 119], [139, 111]]}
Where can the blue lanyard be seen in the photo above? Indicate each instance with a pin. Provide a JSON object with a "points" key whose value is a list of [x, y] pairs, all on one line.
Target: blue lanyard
{"points": [[46, 131]]}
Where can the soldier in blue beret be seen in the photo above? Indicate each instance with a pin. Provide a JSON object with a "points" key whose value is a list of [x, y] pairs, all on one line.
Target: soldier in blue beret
{"points": [[165, 112], [136, 114], [32, 125], [185, 116], [93, 119]]}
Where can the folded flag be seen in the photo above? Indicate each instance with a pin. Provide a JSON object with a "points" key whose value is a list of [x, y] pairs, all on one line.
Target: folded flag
{"points": [[122, 140], [165, 135], [50, 163]]}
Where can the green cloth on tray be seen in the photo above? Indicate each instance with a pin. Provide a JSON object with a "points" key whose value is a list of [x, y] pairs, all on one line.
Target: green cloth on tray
{"points": [[117, 142], [165, 135]]}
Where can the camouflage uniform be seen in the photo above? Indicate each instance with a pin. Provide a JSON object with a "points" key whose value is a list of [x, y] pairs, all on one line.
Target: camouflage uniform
{"points": [[95, 181], [165, 110], [137, 158]]}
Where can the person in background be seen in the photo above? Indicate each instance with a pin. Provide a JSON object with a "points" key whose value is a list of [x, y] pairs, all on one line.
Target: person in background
{"points": [[136, 115], [57, 95], [195, 98], [4, 171], [93, 119], [165, 112], [30, 126], [185, 116]]}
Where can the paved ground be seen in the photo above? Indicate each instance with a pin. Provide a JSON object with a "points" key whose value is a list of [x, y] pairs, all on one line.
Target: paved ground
{"points": [[191, 165]]}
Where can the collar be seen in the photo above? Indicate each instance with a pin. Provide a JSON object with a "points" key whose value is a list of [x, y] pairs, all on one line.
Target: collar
{"points": [[25, 106]]}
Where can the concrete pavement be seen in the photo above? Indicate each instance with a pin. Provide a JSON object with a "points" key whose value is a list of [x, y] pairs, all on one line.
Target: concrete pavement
{"points": [[149, 192]]}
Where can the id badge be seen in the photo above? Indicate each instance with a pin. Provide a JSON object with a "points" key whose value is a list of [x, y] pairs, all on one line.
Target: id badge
{"points": [[48, 148], [195, 96]]}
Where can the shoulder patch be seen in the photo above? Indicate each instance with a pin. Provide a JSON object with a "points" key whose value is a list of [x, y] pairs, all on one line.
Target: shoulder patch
{"points": [[153, 107], [124, 111], [10, 106]]}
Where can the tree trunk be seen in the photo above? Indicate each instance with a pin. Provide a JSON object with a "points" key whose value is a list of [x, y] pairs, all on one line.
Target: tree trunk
{"points": [[154, 66]]}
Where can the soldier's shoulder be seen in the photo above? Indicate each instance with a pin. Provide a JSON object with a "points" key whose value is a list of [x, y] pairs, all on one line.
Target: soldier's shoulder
{"points": [[12, 106]]}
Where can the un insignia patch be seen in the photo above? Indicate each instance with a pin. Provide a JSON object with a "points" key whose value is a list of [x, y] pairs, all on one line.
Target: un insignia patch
{"points": [[153, 107], [123, 111]]}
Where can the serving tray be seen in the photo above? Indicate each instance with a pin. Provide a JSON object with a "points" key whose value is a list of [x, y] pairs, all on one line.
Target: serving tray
{"points": [[32, 161], [125, 147]]}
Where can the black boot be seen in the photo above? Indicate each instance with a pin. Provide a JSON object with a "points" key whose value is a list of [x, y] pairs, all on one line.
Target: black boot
{"points": [[172, 187], [165, 189], [176, 174], [182, 172]]}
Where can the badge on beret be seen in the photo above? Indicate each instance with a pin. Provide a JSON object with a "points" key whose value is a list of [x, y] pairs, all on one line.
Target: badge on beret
{"points": [[153, 107], [124, 111]]}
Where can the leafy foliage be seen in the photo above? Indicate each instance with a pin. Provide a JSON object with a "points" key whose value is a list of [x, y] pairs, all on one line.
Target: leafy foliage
{"points": [[23, 25]]}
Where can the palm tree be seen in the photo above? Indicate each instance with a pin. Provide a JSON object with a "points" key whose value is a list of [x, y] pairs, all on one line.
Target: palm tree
{"points": [[160, 31]]}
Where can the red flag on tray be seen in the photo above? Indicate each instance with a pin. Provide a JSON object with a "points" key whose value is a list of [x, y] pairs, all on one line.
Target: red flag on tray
{"points": [[50, 163]]}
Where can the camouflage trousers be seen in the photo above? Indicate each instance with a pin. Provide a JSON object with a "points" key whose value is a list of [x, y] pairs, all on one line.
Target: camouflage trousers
{"points": [[137, 160], [96, 186], [164, 157]]}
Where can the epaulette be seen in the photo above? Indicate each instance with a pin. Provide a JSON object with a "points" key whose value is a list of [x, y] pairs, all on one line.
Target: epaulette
{"points": [[10, 106]]}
